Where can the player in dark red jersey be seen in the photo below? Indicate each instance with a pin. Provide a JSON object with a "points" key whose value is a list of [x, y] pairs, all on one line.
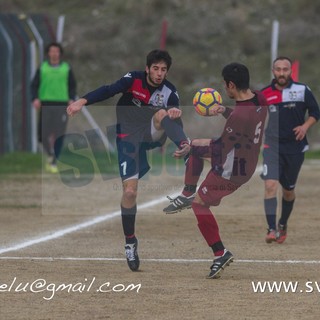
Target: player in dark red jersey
{"points": [[234, 157], [285, 143], [147, 112]]}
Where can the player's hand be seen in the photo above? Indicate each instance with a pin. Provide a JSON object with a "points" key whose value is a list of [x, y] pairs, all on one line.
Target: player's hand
{"points": [[300, 132], [76, 106], [174, 113], [182, 151], [217, 110]]}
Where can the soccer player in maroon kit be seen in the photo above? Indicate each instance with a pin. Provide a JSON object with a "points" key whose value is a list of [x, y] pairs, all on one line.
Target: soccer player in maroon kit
{"points": [[234, 157]]}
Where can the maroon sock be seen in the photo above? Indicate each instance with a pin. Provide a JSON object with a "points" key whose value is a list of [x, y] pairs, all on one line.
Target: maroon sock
{"points": [[208, 226]]}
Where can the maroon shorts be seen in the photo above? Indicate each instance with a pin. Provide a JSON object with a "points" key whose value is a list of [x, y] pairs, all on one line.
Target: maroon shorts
{"points": [[214, 188]]}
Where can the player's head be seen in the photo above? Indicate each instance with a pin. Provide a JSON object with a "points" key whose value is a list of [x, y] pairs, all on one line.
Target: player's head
{"points": [[54, 52], [158, 55], [282, 70], [236, 77], [158, 65], [54, 45]]}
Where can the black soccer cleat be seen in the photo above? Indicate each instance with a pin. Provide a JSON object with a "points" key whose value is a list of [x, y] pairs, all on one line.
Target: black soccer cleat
{"points": [[219, 264], [132, 255], [179, 203]]}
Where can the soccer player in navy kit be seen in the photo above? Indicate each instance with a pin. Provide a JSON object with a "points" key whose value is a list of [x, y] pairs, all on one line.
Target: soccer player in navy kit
{"points": [[147, 113], [285, 143], [233, 156]]}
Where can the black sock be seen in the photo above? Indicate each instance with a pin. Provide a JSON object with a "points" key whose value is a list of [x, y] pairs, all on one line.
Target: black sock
{"points": [[270, 208], [286, 210], [128, 216], [189, 190], [173, 130], [218, 248]]}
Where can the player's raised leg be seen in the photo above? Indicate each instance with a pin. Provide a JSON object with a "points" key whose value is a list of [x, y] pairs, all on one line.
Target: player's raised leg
{"points": [[200, 150]]}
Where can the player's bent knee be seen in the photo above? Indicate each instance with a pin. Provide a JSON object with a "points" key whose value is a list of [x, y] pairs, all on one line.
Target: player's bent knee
{"points": [[288, 195]]}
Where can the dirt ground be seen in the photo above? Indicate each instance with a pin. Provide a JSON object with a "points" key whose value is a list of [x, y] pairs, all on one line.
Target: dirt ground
{"points": [[53, 235]]}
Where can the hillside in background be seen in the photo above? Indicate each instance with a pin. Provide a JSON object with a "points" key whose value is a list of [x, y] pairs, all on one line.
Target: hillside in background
{"points": [[104, 39]]}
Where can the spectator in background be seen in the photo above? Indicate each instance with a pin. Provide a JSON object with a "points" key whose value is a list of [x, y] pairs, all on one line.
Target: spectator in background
{"points": [[53, 89]]}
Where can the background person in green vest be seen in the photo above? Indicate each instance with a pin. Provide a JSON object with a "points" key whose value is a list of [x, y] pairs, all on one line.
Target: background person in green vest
{"points": [[53, 89]]}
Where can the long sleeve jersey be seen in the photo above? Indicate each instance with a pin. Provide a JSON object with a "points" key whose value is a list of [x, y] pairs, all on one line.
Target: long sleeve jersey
{"points": [[139, 101], [287, 110]]}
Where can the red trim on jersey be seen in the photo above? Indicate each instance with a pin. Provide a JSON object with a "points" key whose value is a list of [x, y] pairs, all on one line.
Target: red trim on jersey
{"points": [[272, 96], [122, 135], [139, 92]]}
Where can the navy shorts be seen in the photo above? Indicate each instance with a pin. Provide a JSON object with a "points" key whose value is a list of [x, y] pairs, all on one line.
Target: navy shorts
{"points": [[132, 151], [284, 168]]}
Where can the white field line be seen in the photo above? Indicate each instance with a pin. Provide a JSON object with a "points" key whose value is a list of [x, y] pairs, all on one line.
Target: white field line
{"points": [[62, 232], [252, 261]]}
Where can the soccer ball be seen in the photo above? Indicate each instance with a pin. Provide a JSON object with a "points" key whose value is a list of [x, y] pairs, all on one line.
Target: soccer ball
{"points": [[206, 99]]}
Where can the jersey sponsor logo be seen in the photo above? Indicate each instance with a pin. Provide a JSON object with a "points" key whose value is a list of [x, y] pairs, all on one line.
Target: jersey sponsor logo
{"points": [[272, 98], [139, 94], [128, 75], [290, 105]]}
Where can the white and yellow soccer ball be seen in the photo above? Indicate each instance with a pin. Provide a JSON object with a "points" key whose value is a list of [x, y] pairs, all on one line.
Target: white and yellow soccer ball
{"points": [[205, 100]]}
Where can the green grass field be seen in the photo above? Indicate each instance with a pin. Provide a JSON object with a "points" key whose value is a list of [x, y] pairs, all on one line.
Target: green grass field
{"points": [[30, 163], [20, 162]]}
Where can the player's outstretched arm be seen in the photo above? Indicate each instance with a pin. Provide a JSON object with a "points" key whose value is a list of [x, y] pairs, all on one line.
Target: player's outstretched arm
{"points": [[76, 106], [217, 110]]}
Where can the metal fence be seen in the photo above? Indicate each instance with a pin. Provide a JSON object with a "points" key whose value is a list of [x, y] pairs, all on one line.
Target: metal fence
{"points": [[22, 42]]}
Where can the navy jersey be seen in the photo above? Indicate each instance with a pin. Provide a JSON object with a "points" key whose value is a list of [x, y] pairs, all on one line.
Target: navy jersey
{"points": [[139, 101], [287, 110], [235, 154]]}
